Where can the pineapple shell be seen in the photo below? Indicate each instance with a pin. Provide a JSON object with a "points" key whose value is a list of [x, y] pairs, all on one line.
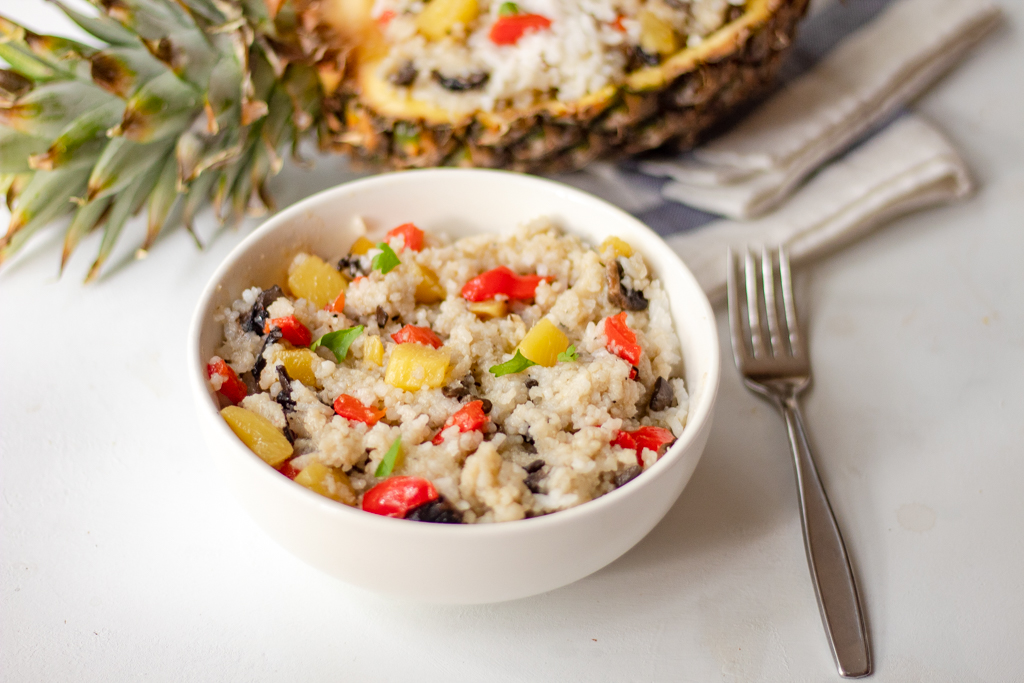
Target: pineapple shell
{"points": [[671, 104]]}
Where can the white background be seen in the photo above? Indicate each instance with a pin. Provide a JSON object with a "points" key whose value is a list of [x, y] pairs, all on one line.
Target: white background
{"points": [[122, 558]]}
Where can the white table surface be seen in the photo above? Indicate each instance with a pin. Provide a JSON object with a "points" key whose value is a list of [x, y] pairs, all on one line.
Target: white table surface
{"points": [[122, 558]]}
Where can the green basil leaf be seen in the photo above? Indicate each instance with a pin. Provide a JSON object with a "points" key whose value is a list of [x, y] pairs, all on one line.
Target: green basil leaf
{"points": [[568, 355], [338, 342], [518, 363], [386, 260], [387, 463], [508, 9]]}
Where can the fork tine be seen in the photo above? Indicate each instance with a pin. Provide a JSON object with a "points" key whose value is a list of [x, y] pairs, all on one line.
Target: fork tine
{"points": [[770, 309], [795, 340], [753, 306], [739, 348]]}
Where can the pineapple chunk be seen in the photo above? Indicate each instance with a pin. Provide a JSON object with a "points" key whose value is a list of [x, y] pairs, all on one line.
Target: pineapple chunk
{"points": [[429, 289], [315, 281], [440, 17], [656, 35], [618, 246], [414, 366], [299, 364], [488, 310], [329, 482], [543, 343], [256, 432], [361, 246], [373, 351]]}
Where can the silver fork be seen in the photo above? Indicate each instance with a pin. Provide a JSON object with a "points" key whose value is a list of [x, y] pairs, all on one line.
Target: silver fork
{"points": [[776, 365]]}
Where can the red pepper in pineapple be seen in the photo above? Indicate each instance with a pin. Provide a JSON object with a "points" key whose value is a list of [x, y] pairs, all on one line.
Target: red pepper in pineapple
{"points": [[351, 408], [232, 388], [338, 305], [288, 470], [652, 438], [292, 331], [468, 418], [502, 280], [509, 29], [395, 496], [412, 236], [621, 340], [417, 335]]}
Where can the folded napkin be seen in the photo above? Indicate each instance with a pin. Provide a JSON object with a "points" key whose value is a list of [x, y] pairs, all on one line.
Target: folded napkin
{"points": [[859, 84], [907, 166]]}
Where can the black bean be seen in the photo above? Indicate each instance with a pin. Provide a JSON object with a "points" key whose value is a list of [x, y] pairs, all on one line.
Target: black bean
{"points": [[257, 317], [533, 479], [534, 466], [663, 397], [284, 397], [461, 83], [272, 337], [531, 383], [455, 391], [381, 317], [528, 439], [619, 294], [627, 475], [405, 74], [487, 405], [352, 266], [438, 511]]}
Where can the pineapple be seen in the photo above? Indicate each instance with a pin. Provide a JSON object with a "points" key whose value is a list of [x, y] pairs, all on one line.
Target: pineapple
{"points": [[187, 101]]}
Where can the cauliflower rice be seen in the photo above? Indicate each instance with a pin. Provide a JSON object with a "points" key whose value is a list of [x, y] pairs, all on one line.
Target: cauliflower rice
{"points": [[552, 436]]}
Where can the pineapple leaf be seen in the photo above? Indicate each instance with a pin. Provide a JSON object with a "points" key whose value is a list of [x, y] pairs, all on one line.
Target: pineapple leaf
{"points": [[100, 26], [15, 148], [83, 135], [87, 218]]}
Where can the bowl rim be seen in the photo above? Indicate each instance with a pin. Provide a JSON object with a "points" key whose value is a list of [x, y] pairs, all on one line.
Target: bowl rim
{"points": [[700, 413]]}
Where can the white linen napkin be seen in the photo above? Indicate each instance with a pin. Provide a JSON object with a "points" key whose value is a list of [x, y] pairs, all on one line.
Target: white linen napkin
{"points": [[907, 166], [861, 82]]}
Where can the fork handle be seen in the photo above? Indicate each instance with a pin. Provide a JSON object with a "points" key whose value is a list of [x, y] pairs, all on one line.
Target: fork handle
{"points": [[834, 584]]}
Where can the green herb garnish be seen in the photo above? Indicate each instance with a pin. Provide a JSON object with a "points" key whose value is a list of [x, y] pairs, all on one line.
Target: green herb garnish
{"points": [[568, 355], [386, 260], [518, 363], [387, 463], [507, 9], [338, 342]]}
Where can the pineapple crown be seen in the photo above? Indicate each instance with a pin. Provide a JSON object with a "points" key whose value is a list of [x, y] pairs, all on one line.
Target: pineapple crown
{"points": [[184, 101]]}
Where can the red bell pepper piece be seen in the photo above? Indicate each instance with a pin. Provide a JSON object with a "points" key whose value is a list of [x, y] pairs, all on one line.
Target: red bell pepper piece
{"points": [[417, 335], [652, 438], [232, 388], [621, 340], [468, 418], [509, 29], [396, 496], [502, 280], [351, 408], [338, 305], [292, 331], [412, 236], [385, 17], [288, 470]]}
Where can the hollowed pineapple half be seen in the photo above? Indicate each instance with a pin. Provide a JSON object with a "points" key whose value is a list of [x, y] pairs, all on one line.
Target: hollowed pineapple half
{"points": [[176, 102], [677, 90]]}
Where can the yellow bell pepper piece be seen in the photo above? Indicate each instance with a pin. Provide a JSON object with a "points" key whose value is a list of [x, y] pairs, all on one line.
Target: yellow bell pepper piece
{"points": [[257, 432], [543, 343], [415, 366], [329, 482], [315, 281]]}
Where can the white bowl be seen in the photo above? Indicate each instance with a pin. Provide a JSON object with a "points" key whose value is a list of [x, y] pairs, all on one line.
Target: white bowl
{"points": [[439, 562]]}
